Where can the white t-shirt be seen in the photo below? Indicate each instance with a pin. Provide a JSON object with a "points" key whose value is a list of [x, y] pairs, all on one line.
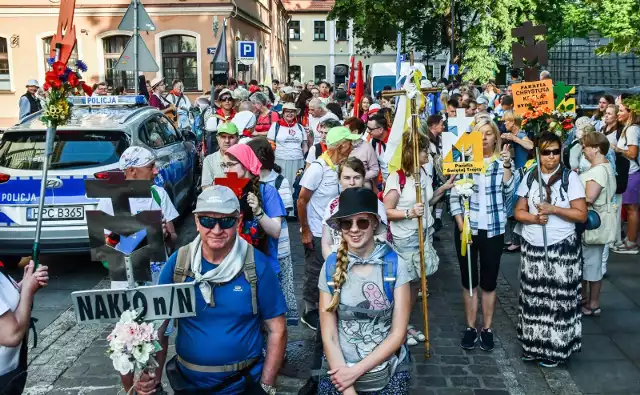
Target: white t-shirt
{"points": [[320, 178], [9, 300], [557, 228], [169, 213], [314, 122], [407, 227], [333, 207], [288, 141], [630, 137]]}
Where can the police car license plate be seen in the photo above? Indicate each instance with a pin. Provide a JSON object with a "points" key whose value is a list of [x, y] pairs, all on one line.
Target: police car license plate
{"points": [[56, 213]]}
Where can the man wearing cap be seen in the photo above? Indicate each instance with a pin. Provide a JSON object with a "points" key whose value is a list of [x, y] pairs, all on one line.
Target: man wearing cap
{"points": [[138, 163], [219, 351], [319, 186], [29, 103], [227, 137]]}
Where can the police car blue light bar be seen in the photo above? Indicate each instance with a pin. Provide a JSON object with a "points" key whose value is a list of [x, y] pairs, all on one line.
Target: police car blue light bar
{"points": [[107, 100]]}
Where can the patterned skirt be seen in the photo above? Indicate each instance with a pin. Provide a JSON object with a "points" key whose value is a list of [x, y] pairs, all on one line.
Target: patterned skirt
{"points": [[286, 283], [549, 321], [398, 385]]}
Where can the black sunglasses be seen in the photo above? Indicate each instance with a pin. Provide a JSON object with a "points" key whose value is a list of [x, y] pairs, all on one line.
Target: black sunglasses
{"points": [[547, 152], [224, 222], [226, 98], [362, 224]]}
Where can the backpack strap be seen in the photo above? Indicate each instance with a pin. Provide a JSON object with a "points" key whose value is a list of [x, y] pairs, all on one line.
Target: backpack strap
{"points": [[279, 180], [390, 274], [182, 270], [275, 137], [330, 270], [252, 277], [402, 179]]}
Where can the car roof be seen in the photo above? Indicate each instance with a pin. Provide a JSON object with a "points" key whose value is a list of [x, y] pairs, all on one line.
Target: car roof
{"points": [[91, 118]]}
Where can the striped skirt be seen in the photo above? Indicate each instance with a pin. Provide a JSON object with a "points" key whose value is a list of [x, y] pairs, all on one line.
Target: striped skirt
{"points": [[549, 321]]}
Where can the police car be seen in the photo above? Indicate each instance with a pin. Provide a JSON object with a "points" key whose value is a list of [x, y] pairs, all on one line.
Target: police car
{"points": [[87, 147]]}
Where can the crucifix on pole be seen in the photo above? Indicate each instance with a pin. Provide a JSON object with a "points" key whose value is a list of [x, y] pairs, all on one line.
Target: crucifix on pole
{"points": [[415, 138]]}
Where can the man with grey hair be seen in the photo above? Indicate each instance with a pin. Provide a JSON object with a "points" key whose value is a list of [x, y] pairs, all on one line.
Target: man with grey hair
{"points": [[317, 113], [545, 75], [245, 105]]}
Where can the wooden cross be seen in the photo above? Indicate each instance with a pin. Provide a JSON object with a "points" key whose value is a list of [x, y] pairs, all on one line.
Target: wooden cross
{"points": [[532, 54]]}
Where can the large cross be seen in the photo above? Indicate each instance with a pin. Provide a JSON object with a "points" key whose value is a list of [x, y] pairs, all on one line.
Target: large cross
{"points": [[532, 54], [66, 33]]}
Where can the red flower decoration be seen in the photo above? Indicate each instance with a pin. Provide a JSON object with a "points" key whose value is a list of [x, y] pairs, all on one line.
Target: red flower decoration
{"points": [[253, 231], [87, 89], [50, 77], [59, 68], [56, 84], [46, 86], [73, 80]]}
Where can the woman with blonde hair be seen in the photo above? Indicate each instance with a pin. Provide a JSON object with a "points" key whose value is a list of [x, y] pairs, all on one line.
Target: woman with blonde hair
{"points": [[493, 192], [364, 305]]}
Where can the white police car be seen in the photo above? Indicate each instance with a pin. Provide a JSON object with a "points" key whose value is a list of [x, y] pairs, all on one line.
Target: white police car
{"points": [[87, 147]]}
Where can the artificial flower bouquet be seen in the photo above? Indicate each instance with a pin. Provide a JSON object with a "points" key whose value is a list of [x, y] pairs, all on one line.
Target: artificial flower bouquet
{"points": [[540, 118], [133, 345], [60, 83]]}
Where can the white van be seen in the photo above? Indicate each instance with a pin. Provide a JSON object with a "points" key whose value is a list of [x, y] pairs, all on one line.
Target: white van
{"points": [[383, 74]]}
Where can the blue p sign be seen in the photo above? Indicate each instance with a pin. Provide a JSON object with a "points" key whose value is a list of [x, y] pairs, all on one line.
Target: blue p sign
{"points": [[247, 49]]}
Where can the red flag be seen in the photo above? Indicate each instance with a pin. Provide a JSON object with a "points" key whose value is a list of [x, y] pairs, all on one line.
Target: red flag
{"points": [[352, 73], [359, 91]]}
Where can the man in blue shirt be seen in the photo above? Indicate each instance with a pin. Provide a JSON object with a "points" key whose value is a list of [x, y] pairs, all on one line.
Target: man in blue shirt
{"points": [[219, 351]]}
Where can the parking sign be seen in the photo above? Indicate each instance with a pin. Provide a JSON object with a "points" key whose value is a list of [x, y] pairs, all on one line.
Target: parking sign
{"points": [[247, 52]]}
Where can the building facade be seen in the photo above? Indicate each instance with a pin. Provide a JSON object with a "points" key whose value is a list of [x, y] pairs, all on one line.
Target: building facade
{"points": [[317, 45], [181, 44]]}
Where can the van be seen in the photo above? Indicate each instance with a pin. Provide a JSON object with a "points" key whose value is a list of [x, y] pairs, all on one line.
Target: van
{"points": [[383, 74]]}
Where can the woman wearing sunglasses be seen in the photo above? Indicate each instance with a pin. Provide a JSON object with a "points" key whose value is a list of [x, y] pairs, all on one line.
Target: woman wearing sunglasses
{"points": [[261, 205], [549, 325], [364, 305]]}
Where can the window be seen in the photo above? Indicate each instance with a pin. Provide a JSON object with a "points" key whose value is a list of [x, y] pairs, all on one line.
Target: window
{"points": [[294, 30], [318, 31], [341, 34], [179, 60], [158, 132], [46, 47], [295, 74], [169, 133], [320, 73], [5, 80], [113, 47]]}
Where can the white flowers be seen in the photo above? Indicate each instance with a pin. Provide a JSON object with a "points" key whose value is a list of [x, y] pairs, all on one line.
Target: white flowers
{"points": [[132, 345], [464, 187]]}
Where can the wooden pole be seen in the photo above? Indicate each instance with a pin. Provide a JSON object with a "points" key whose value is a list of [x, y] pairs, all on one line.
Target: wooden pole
{"points": [[415, 138]]}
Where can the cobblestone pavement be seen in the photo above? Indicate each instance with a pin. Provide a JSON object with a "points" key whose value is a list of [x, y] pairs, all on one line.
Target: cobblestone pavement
{"points": [[70, 359]]}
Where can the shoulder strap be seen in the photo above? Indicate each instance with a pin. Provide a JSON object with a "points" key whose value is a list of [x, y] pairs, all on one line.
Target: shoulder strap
{"points": [[390, 273], [566, 172], [279, 180], [318, 150], [182, 270], [252, 277], [275, 137], [402, 179], [330, 270]]}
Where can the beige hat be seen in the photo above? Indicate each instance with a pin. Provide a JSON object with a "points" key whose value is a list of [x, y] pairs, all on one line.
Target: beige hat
{"points": [[155, 82], [290, 106], [226, 92]]}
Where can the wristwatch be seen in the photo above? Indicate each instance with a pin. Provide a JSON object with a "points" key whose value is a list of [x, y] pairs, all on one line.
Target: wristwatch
{"points": [[269, 389], [406, 214]]}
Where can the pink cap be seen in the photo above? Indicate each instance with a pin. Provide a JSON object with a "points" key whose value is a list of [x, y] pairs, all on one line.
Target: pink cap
{"points": [[247, 157]]}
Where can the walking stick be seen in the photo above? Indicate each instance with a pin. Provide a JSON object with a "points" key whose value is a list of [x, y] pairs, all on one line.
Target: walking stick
{"points": [[544, 226], [421, 241]]}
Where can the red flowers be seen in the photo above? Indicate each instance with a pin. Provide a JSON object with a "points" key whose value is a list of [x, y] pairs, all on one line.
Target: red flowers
{"points": [[46, 86], [73, 80], [58, 68], [56, 84], [50, 77]]}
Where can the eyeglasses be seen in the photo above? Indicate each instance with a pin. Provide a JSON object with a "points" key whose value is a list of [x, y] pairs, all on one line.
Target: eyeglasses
{"points": [[372, 129], [228, 165], [226, 99], [362, 224], [224, 222], [549, 152]]}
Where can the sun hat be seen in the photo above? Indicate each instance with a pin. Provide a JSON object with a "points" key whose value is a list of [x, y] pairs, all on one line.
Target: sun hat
{"points": [[339, 133], [354, 201], [245, 155], [136, 156], [244, 120], [226, 91], [290, 106], [155, 82], [217, 199], [32, 83], [228, 128], [482, 100]]}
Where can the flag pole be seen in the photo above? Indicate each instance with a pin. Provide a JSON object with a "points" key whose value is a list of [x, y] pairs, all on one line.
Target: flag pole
{"points": [[415, 138]]}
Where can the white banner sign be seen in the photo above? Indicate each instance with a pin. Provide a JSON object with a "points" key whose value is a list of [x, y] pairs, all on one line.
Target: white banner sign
{"points": [[158, 302]]}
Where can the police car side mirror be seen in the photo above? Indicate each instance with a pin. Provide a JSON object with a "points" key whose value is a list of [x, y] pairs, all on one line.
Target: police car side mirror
{"points": [[188, 134]]}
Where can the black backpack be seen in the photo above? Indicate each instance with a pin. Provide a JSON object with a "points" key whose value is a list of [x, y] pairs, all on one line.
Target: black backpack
{"points": [[622, 173]]}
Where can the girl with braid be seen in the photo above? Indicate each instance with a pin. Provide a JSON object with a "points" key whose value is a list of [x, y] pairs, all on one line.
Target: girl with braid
{"points": [[261, 205], [364, 305]]}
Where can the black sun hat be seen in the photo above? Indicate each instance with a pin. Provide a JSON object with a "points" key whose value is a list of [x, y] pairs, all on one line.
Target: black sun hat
{"points": [[354, 201]]}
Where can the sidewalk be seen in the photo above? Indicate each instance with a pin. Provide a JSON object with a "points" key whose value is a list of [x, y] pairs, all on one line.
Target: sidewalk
{"points": [[70, 359]]}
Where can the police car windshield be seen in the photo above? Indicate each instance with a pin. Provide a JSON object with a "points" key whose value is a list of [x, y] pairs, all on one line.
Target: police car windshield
{"points": [[71, 149]]}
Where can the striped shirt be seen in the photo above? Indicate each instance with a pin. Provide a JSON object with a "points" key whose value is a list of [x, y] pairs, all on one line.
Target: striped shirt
{"points": [[498, 197]]}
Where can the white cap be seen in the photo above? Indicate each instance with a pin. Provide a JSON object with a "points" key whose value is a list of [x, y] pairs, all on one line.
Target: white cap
{"points": [[136, 156]]}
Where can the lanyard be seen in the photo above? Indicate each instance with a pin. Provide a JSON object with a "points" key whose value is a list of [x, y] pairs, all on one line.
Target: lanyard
{"points": [[328, 160]]}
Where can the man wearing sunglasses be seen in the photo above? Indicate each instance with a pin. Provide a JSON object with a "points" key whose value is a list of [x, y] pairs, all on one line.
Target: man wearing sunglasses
{"points": [[224, 113], [220, 349], [378, 129]]}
